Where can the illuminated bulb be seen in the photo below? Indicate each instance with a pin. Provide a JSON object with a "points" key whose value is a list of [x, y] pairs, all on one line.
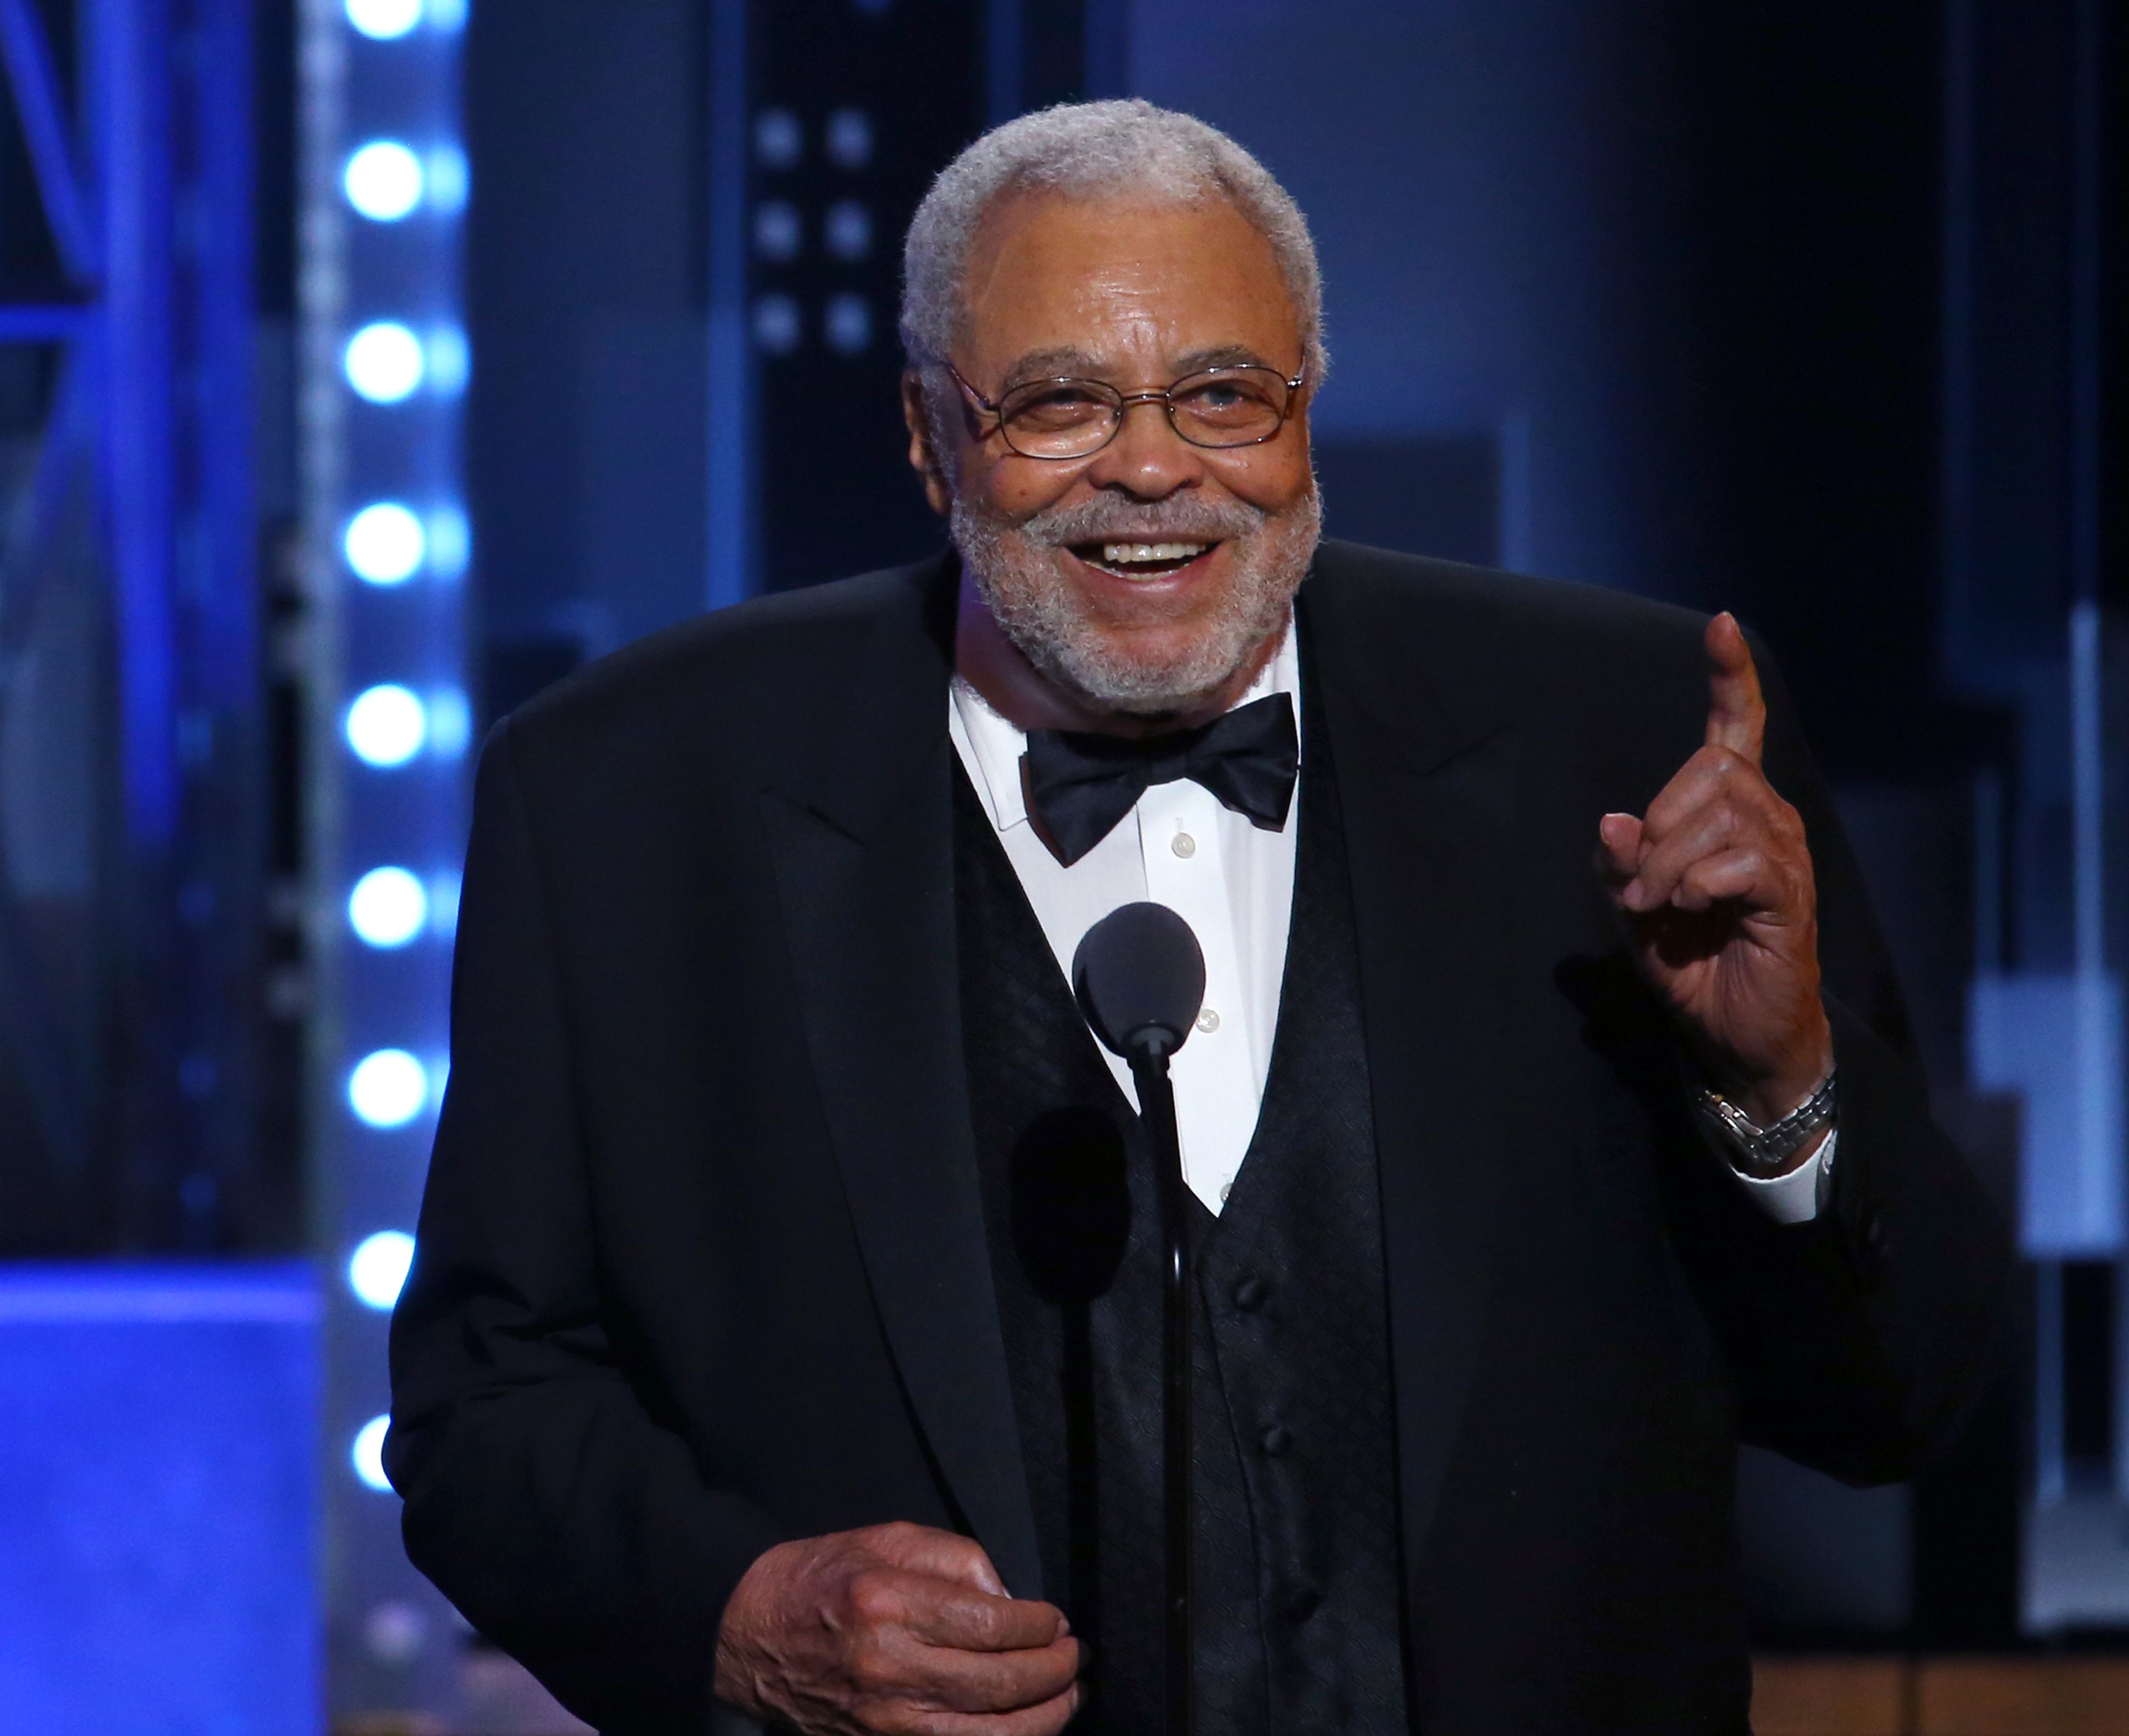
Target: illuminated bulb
{"points": [[848, 229], [377, 1270], [385, 545], [367, 1454], [850, 324], [383, 181], [381, 20], [450, 723], [450, 542], [850, 138], [388, 1088], [387, 726], [446, 178], [388, 907], [385, 362], [446, 360]]}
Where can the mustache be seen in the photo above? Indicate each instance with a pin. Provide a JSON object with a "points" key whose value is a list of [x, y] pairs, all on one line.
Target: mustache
{"points": [[1159, 521]]}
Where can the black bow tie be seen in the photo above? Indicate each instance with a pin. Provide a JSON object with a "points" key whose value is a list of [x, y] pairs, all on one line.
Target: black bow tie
{"points": [[1080, 785]]}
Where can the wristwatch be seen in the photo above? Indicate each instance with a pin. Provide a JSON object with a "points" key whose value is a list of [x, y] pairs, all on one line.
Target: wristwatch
{"points": [[1765, 1151]]}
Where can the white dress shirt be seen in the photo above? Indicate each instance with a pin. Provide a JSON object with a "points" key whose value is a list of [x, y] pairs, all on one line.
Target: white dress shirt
{"points": [[1232, 882]]}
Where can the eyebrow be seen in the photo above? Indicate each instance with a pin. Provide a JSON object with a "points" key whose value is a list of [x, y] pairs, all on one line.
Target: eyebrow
{"points": [[1068, 362]]}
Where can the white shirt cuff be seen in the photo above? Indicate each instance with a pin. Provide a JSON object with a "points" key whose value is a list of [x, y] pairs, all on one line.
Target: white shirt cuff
{"points": [[1798, 1196]]}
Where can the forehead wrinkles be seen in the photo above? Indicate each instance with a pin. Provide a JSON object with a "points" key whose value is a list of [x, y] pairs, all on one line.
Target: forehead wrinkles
{"points": [[1096, 276]]}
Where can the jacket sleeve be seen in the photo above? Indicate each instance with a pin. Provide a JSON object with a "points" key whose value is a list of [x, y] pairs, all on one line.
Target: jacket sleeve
{"points": [[543, 1499], [1859, 1338]]}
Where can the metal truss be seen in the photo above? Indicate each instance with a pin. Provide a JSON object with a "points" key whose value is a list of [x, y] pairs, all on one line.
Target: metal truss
{"points": [[142, 493]]}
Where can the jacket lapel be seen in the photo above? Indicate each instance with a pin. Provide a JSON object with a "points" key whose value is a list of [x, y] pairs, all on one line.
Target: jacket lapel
{"points": [[862, 837], [1430, 788]]}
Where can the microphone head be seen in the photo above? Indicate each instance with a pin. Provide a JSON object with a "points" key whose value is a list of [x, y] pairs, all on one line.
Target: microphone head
{"points": [[1140, 976]]}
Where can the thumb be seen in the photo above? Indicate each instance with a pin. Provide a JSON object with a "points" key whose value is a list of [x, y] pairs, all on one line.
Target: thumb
{"points": [[1736, 711]]}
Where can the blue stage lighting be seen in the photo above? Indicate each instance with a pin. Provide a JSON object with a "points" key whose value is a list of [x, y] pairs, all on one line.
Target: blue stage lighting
{"points": [[385, 363], [388, 1088], [778, 231], [450, 543], [377, 1270], [385, 544], [448, 359], [388, 907], [445, 179], [384, 326], [848, 230], [849, 324], [776, 324], [382, 21], [850, 138], [450, 723], [367, 1454], [387, 726], [385, 181]]}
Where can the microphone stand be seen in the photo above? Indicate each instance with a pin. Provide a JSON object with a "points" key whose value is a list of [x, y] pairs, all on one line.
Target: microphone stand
{"points": [[1156, 1098]]}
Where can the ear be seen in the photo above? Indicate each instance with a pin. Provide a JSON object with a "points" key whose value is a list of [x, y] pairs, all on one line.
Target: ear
{"points": [[924, 458]]}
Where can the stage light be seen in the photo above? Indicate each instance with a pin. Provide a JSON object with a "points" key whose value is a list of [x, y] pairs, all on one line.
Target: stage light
{"points": [[778, 231], [449, 542], [387, 726], [377, 1270], [448, 360], [776, 324], [383, 181], [388, 1088], [388, 907], [850, 324], [385, 544], [382, 21], [384, 363], [367, 1454], [446, 179], [848, 229], [778, 140], [450, 723], [850, 138], [444, 904]]}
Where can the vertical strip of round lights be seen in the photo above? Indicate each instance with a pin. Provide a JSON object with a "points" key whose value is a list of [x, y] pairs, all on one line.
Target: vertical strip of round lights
{"points": [[386, 362]]}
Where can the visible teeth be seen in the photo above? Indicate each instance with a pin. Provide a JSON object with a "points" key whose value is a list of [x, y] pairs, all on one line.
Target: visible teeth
{"points": [[1117, 554]]}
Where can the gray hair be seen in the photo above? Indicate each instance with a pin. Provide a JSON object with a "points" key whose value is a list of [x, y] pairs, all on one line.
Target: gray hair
{"points": [[1090, 151]]}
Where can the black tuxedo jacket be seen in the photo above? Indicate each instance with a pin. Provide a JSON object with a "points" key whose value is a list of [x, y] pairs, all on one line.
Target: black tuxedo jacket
{"points": [[701, 1263]]}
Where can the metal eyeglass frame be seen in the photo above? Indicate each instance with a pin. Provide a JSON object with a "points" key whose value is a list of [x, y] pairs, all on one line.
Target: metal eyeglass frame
{"points": [[1124, 400]]}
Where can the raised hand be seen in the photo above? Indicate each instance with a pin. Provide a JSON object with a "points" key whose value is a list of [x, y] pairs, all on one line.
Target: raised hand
{"points": [[896, 1630], [1715, 883]]}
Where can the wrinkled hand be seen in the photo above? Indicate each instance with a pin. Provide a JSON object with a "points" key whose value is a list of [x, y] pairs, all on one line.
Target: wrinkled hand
{"points": [[1715, 883], [897, 1630]]}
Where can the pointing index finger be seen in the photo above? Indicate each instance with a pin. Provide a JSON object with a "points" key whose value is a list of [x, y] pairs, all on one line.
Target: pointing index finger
{"points": [[1736, 713]]}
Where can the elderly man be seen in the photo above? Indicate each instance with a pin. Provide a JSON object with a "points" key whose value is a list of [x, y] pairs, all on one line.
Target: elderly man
{"points": [[783, 1343]]}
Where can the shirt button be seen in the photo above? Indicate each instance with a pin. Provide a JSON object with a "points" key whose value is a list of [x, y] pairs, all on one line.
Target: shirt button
{"points": [[1208, 1021], [1276, 1440], [1251, 1295], [1184, 844], [1302, 1602]]}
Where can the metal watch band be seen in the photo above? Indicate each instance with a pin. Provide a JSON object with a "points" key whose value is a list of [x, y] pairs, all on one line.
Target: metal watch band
{"points": [[1767, 1149]]}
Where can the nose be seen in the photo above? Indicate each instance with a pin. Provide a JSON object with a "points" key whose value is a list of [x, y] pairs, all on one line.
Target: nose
{"points": [[1147, 458]]}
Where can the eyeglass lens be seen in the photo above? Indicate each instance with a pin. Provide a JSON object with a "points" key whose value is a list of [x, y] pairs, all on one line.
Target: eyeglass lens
{"points": [[1225, 407]]}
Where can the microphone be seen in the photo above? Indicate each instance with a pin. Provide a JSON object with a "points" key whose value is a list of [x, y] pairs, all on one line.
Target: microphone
{"points": [[1139, 975]]}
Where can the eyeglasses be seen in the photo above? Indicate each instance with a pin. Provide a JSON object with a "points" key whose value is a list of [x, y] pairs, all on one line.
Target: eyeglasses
{"points": [[1217, 407]]}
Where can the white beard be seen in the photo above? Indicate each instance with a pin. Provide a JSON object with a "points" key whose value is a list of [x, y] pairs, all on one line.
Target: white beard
{"points": [[1019, 570]]}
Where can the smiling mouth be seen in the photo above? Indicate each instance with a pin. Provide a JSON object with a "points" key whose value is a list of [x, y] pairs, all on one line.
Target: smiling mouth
{"points": [[1141, 560]]}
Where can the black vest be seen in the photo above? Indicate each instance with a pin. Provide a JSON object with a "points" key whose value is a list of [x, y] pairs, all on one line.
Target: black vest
{"points": [[1298, 1588]]}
